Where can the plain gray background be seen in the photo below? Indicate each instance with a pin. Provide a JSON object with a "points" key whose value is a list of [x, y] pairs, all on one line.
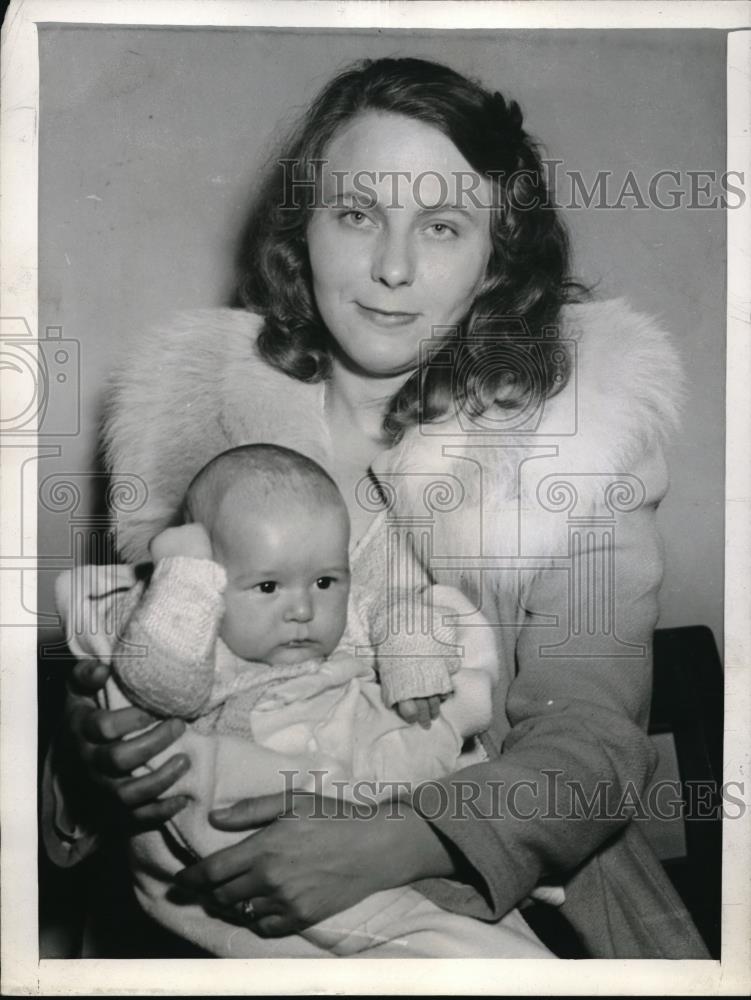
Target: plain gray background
{"points": [[151, 141]]}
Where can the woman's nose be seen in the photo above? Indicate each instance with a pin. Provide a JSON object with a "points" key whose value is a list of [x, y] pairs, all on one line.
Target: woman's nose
{"points": [[299, 608], [393, 263]]}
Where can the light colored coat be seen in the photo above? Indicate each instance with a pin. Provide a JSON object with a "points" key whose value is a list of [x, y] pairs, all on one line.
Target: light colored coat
{"points": [[547, 525]]}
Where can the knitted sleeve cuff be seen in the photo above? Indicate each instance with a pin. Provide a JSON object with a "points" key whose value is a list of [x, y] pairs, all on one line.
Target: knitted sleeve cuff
{"points": [[414, 677]]}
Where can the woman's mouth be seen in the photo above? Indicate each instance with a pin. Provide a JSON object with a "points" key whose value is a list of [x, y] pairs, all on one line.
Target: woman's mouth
{"points": [[386, 317]]}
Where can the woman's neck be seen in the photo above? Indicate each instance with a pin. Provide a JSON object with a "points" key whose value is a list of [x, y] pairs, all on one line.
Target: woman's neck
{"points": [[355, 407], [359, 401]]}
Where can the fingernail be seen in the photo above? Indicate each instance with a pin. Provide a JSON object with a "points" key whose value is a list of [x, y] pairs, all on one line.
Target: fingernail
{"points": [[220, 814], [183, 763]]}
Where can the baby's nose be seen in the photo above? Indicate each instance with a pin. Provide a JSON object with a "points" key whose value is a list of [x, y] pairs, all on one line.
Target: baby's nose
{"points": [[299, 609]]}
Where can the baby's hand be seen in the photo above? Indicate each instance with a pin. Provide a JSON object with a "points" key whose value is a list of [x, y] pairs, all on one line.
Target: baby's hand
{"points": [[186, 540], [422, 710]]}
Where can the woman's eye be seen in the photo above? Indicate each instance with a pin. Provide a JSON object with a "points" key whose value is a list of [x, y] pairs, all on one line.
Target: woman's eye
{"points": [[442, 230], [354, 217], [267, 587], [324, 582]]}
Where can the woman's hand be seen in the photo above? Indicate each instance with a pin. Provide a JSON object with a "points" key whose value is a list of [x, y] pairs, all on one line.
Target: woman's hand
{"points": [[105, 742], [314, 858]]}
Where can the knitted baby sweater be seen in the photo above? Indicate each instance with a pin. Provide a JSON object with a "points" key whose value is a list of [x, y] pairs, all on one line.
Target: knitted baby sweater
{"points": [[170, 659]]}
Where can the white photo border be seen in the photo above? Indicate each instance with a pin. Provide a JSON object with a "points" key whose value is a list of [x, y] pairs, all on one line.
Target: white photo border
{"points": [[22, 971]]}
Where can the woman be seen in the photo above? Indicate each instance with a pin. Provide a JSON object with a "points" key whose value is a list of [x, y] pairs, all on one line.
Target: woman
{"points": [[415, 330]]}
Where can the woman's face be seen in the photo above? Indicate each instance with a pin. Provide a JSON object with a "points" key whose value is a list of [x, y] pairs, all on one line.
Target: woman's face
{"points": [[398, 247]]}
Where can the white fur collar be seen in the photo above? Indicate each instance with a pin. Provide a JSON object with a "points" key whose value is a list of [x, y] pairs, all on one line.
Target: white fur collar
{"points": [[196, 387]]}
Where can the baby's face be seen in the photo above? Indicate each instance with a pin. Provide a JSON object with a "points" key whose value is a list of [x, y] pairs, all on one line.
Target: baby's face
{"points": [[287, 580]]}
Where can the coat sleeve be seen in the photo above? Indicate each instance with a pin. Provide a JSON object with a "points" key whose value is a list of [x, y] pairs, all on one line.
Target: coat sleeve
{"points": [[577, 746]]}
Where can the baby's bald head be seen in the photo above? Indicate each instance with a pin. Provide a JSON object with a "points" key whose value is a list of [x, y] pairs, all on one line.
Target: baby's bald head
{"points": [[279, 527], [260, 475]]}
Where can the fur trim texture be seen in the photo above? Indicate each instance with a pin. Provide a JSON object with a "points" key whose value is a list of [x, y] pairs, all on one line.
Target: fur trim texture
{"points": [[196, 387]]}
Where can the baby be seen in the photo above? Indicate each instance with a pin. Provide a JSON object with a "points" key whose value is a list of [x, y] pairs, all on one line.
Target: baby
{"points": [[253, 590], [249, 627]]}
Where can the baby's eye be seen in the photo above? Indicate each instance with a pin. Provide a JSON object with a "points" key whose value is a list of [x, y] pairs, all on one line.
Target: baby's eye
{"points": [[267, 587], [324, 582]]}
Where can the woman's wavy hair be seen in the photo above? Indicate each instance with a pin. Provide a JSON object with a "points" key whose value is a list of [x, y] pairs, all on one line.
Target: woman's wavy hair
{"points": [[506, 346]]}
